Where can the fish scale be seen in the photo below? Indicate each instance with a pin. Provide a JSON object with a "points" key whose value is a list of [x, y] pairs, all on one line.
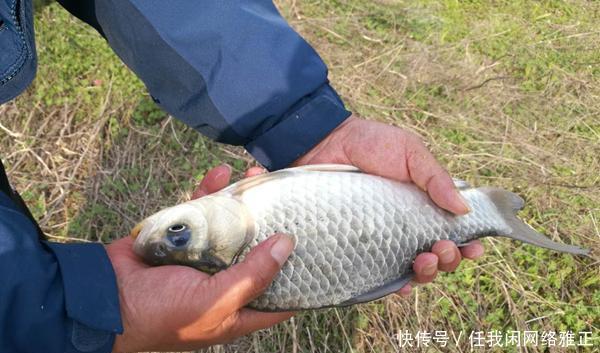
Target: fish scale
{"points": [[356, 235], [343, 251]]}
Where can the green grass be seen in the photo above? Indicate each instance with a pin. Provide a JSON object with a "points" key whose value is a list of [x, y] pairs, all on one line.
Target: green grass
{"points": [[506, 93]]}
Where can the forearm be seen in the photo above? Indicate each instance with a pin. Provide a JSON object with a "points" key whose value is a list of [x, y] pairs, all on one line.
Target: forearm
{"points": [[233, 70], [54, 297]]}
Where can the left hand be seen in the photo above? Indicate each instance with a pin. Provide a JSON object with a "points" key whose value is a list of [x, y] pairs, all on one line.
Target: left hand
{"points": [[174, 308], [395, 153]]}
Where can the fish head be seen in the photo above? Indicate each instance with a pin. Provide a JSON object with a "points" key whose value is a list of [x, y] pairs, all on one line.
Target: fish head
{"points": [[206, 234]]}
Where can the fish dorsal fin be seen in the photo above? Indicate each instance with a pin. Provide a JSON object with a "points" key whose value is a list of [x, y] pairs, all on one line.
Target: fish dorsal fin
{"points": [[325, 168], [238, 188]]}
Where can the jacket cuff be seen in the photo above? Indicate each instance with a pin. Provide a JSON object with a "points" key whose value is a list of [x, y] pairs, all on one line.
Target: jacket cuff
{"points": [[91, 295], [302, 128]]}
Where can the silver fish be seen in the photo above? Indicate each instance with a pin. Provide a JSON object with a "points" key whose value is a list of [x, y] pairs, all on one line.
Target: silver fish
{"points": [[356, 234]]}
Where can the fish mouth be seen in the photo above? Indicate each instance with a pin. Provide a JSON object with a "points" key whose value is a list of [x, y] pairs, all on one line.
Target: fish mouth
{"points": [[209, 263], [162, 253], [135, 232]]}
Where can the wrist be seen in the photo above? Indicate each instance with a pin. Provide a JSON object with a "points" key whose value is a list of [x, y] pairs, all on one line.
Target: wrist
{"points": [[333, 148], [299, 129]]}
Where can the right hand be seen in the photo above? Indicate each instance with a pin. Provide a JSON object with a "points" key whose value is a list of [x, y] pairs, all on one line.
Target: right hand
{"points": [[180, 308], [394, 153]]}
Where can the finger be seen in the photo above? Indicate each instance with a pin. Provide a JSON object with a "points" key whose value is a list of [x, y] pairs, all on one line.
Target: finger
{"points": [[254, 171], [473, 250], [405, 291], [448, 255], [247, 321], [214, 180], [121, 254], [442, 191], [243, 282], [428, 174], [425, 267]]}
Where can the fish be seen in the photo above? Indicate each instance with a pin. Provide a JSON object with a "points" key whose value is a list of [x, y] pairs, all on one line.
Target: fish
{"points": [[356, 234]]}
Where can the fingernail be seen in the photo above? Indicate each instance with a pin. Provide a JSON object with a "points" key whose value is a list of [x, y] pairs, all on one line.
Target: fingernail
{"points": [[282, 249], [464, 206], [429, 270], [226, 166], [221, 172], [446, 256]]}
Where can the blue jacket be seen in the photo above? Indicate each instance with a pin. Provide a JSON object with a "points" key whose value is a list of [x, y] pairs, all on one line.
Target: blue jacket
{"points": [[233, 70]]}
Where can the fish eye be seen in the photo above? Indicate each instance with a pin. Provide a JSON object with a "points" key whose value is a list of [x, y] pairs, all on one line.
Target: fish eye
{"points": [[176, 228]]}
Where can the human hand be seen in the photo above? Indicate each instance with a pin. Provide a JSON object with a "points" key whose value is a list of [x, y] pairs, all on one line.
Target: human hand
{"points": [[394, 153], [180, 308]]}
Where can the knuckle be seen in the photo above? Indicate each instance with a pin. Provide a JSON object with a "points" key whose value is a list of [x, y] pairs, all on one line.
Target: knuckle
{"points": [[253, 288], [232, 324], [441, 245], [258, 275], [262, 280]]}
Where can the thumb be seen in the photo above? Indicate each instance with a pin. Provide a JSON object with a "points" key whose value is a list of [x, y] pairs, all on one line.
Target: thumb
{"points": [[245, 281], [122, 256]]}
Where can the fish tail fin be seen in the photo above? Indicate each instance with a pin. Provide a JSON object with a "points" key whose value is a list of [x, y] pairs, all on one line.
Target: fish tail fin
{"points": [[508, 204]]}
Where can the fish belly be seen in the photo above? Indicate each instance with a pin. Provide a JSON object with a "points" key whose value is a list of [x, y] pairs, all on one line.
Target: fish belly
{"points": [[354, 233]]}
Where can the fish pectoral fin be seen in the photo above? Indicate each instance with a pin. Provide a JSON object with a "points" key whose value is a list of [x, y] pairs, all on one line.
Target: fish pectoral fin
{"points": [[380, 292], [462, 245], [461, 184]]}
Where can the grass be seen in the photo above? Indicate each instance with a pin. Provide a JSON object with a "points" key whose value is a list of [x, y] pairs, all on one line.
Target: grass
{"points": [[505, 93]]}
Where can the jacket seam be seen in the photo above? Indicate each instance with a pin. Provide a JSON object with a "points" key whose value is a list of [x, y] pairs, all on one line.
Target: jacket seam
{"points": [[16, 67]]}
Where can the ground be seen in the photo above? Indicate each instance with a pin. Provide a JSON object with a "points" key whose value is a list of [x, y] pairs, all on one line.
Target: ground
{"points": [[505, 93]]}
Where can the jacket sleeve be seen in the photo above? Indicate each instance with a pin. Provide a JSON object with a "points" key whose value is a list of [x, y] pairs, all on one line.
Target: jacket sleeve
{"points": [[53, 297], [233, 70]]}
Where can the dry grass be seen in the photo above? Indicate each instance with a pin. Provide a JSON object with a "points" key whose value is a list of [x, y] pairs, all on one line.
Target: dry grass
{"points": [[505, 94]]}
